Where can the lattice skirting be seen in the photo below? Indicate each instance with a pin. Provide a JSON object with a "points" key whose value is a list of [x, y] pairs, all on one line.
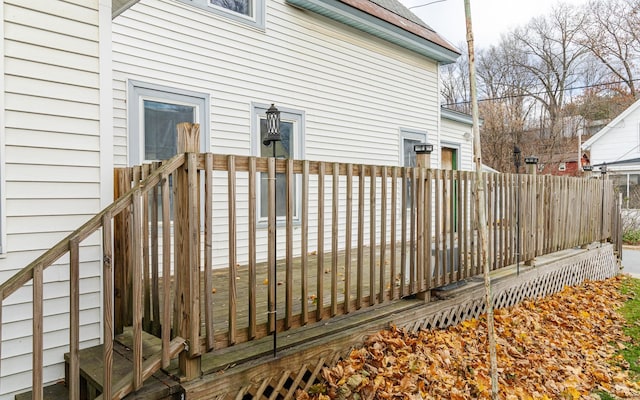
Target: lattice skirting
{"points": [[550, 275]]}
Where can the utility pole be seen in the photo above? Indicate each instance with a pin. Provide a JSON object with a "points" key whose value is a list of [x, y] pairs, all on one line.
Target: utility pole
{"points": [[480, 199]]}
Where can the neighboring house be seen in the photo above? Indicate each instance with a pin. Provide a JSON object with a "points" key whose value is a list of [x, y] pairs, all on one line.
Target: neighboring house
{"points": [[618, 145], [564, 164], [90, 85]]}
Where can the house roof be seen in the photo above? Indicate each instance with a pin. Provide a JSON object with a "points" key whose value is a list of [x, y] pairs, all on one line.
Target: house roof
{"points": [[587, 145], [457, 116], [386, 19]]}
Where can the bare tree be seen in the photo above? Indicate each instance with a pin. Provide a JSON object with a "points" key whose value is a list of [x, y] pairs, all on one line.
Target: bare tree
{"points": [[551, 58], [610, 33], [454, 80]]}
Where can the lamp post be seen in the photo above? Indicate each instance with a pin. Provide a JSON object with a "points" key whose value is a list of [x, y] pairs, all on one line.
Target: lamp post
{"points": [[423, 154], [603, 172], [271, 137], [517, 155]]}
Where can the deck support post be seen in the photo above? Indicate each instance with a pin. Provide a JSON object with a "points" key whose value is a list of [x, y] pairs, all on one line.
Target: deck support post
{"points": [[533, 216], [423, 160], [187, 251]]}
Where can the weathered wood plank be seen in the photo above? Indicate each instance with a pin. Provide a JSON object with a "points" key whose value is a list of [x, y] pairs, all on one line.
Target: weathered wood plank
{"points": [[290, 202], [304, 234], [252, 248], [74, 318], [208, 249], [233, 258], [372, 234], [107, 301], [37, 333], [320, 251], [347, 240]]}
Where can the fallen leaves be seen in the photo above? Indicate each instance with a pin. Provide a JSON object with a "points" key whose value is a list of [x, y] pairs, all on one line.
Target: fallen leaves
{"points": [[559, 347]]}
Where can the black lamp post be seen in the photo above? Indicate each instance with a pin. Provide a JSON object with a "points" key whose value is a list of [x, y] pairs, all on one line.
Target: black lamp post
{"points": [[423, 148], [603, 172], [271, 137], [517, 158]]}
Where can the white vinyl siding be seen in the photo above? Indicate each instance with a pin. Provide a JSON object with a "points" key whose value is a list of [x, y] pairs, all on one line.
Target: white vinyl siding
{"points": [[51, 166], [355, 90]]}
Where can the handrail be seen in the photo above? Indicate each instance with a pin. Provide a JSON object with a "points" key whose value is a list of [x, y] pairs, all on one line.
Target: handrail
{"points": [[92, 225], [71, 244]]}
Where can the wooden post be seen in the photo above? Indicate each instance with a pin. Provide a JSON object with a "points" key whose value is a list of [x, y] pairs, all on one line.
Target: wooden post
{"points": [[187, 228], [423, 160], [533, 218]]}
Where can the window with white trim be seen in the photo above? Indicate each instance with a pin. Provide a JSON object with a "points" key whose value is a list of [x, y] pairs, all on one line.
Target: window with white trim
{"points": [[291, 146], [154, 112], [251, 12], [409, 138]]}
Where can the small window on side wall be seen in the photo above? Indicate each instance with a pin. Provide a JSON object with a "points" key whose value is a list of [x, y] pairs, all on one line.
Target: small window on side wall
{"points": [[409, 138], [250, 12]]}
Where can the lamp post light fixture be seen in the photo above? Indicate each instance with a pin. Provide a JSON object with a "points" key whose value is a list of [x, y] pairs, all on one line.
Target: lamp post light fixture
{"points": [[587, 168], [423, 154], [603, 169], [517, 157], [423, 148], [271, 137], [531, 160]]}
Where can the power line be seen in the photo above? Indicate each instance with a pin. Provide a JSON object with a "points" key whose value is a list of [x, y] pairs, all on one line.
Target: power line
{"points": [[426, 4], [539, 93]]}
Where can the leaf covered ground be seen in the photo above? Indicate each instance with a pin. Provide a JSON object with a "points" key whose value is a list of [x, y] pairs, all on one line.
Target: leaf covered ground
{"points": [[565, 346]]}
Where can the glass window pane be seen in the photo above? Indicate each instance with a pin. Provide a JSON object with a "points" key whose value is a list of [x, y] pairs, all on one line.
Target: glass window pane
{"points": [[160, 134], [283, 150], [240, 6], [409, 161]]}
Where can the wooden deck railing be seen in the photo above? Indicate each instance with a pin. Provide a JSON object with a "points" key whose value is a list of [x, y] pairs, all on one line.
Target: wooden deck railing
{"points": [[359, 235], [387, 232]]}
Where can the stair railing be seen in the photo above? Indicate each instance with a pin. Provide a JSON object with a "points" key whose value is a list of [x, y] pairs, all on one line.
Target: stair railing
{"points": [[131, 202]]}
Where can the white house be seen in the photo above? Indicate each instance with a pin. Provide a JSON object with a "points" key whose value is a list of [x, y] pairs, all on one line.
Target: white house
{"points": [[90, 85], [618, 145]]}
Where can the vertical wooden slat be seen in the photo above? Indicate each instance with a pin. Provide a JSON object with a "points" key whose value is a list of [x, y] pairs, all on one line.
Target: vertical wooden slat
{"points": [[464, 231], [289, 245], [155, 281], [503, 220], [412, 232], [233, 253], [334, 239], [446, 195], [74, 319], [438, 227], [107, 300], [428, 213], [360, 260], [347, 240], [320, 253], [146, 276], [252, 248], [372, 235], [208, 249], [304, 234], [403, 227], [166, 270], [452, 226], [392, 247], [138, 312], [194, 257], [383, 233], [271, 222], [37, 337], [420, 253]]}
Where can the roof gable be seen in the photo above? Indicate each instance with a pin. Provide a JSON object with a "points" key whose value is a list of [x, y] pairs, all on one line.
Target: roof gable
{"points": [[633, 107]]}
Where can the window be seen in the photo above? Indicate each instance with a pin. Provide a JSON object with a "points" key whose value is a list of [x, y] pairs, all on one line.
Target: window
{"points": [[291, 146], [251, 12], [154, 112], [562, 166], [408, 139]]}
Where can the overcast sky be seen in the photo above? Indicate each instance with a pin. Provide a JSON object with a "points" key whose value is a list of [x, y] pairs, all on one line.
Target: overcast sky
{"points": [[490, 18]]}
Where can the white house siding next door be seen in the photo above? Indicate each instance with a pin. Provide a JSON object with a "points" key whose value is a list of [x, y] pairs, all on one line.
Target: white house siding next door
{"points": [[52, 173]]}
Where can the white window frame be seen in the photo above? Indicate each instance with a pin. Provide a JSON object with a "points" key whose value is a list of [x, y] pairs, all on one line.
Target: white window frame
{"points": [[141, 91], [297, 117], [410, 134], [256, 20], [562, 166]]}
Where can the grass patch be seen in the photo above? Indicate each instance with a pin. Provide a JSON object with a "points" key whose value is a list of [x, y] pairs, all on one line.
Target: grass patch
{"points": [[631, 313], [631, 237]]}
